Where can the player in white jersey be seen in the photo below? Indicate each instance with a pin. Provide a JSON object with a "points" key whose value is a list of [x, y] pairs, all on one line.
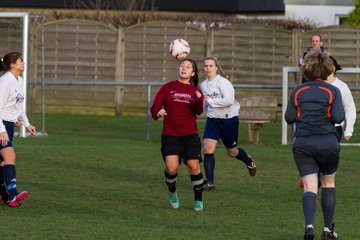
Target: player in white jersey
{"points": [[222, 120], [349, 107], [12, 94]]}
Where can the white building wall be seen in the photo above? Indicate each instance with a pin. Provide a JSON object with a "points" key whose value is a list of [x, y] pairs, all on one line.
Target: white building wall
{"points": [[321, 15]]}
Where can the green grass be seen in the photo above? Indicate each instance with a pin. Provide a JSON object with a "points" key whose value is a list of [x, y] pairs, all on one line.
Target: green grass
{"points": [[97, 178]]}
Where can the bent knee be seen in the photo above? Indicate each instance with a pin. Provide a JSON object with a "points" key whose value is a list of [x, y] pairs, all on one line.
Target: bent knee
{"points": [[232, 152], [9, 159]]}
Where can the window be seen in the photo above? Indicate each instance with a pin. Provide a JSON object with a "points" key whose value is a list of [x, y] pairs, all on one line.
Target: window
{"points": [[340, 19]]}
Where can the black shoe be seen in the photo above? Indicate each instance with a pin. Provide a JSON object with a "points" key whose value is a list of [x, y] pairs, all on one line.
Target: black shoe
{"points": [[252, 168], [329, 234], [209, 186], [309, 233]]}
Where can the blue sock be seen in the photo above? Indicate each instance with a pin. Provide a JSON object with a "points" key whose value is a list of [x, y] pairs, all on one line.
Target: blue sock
{"points": [[3, 192], [309, 206], [209, 166], [10, 179], [243, 156], [328, 199]]}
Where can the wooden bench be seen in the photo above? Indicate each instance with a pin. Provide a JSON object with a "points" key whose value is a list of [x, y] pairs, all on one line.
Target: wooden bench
{"points": [[255, 111]]}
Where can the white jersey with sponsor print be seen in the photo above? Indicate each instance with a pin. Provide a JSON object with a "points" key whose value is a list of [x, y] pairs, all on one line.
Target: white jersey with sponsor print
{"points": [[11, 100]]}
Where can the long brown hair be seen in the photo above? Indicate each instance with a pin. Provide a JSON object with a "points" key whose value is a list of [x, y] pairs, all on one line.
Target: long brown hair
{"points": [[9, 59]]}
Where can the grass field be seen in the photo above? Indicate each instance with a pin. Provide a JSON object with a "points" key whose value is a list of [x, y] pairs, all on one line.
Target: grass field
{"points": [[97, 178]]}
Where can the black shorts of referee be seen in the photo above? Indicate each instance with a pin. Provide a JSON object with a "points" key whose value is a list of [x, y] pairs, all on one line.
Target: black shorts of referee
{"points": [[316, 153]]}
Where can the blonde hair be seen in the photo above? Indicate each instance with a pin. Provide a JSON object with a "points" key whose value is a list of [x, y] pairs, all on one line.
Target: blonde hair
{"points": [[220, 71], [317, 65]]}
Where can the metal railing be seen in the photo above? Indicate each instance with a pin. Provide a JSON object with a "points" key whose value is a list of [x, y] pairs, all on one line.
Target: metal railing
{"points": [[147, 84]]}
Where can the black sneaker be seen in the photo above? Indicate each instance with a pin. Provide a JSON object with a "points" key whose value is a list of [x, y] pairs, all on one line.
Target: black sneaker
{"points": [[329, 234], [309, 233], [209, 186], [252, 168]]}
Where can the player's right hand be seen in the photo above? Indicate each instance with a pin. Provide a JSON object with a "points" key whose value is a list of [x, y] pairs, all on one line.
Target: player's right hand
{"points": [[4, 138]]}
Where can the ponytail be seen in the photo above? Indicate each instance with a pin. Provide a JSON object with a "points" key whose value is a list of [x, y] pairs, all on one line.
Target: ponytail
{"points": [[9, 59], [1, 65]]}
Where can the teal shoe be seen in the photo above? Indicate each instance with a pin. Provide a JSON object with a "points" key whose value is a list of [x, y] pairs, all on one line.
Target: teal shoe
{"points": [[199, 206], [174, 200]]}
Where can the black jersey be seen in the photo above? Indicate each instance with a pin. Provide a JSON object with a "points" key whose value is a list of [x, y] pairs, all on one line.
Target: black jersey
{"points": [[315, 107]]}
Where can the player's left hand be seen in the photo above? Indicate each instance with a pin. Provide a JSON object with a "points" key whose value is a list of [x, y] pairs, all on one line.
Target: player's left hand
{"points": [[347, 138], [31, 129], [198, 94], [17, 123], [162, 113]]}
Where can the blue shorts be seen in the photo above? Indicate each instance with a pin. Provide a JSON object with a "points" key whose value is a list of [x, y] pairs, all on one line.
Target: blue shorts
{"points": [[226, 129], [9, 126]]}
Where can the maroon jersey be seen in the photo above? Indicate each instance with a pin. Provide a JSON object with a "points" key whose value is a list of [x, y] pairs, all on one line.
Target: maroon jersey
{"points": [[181, 105]]}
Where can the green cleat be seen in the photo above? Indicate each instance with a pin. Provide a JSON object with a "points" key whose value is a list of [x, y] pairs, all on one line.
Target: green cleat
{"points": [[199, 206], [174, 200]]}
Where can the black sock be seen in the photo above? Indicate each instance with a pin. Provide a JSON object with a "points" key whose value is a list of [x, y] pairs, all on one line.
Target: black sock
{"points": [[328, 200], [209, 166], [243, 156], [170, 181], [309, 206], [197, 182], [3, 192], [9, 172]]}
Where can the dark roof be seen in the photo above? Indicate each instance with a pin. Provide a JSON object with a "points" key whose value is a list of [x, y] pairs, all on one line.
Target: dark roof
{"points": [[233, 6], [222, 6], [34, 4]]}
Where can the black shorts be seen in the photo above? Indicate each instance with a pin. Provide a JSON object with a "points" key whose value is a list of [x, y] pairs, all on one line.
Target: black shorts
{"points": [[316, 153], [186, 147]]}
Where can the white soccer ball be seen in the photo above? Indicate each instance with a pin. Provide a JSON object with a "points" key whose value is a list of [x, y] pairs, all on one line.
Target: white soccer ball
{"points": [[179, 48]]}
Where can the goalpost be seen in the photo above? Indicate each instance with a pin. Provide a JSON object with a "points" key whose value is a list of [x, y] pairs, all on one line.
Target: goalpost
{"points": [[25, 33], [293, 73]]}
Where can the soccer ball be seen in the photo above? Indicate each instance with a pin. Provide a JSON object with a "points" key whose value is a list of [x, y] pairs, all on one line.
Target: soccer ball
{"points": [[179, 48]]}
